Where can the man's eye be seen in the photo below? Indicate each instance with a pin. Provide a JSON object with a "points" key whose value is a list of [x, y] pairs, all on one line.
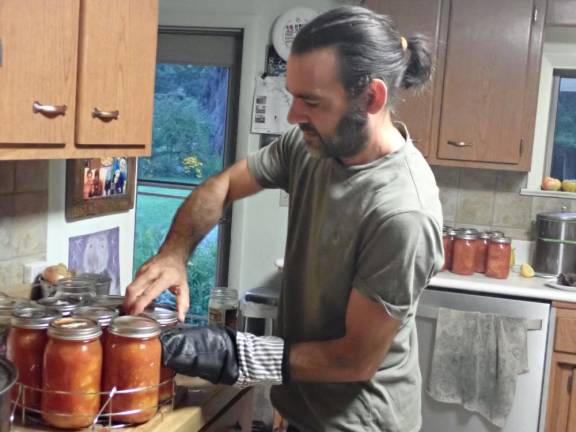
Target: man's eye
{"points": [[311, 103]]}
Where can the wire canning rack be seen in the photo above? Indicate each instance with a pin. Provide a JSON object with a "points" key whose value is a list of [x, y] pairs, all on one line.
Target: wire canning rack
{"points": [[27, 416]]}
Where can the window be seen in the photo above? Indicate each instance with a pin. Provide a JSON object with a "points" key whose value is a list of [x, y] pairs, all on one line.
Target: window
{"points": [[195, 112], [562, 126], [555, 127]]}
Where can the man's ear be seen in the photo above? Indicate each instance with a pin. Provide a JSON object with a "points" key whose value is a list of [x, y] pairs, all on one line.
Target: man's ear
{"points": [[376, 96]]}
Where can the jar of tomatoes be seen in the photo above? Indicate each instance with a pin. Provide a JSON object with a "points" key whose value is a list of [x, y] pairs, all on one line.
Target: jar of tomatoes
{"points": [[63, 305], [101, 315], [498, 259], [166, 318], [481, 252], [25, 348], [464, 253], [133, 355], [72, 373], [448, 236]]}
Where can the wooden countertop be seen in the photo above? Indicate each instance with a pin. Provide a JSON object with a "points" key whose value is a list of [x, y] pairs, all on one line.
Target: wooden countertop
{"points": [[197, 403]]}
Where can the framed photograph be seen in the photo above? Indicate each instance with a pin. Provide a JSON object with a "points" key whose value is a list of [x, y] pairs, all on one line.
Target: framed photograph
{"points": [[99, 186]]}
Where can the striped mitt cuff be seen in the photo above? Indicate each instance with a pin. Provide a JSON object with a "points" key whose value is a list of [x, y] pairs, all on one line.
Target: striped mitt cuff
{"points": [[261, 360]]}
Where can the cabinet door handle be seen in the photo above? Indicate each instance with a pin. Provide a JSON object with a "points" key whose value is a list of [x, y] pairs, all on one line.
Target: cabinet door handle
{"points": [[459, 143], [49, 110], [105, 115]]}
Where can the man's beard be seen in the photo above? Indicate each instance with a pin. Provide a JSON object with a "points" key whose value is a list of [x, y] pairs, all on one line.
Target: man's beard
{"points": [[349, 139]]}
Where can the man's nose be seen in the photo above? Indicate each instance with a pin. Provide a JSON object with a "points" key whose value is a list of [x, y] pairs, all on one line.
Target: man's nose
{"points": [[296, 114]]}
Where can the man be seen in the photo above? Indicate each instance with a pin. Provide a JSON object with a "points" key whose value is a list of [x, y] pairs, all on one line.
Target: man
{"points": [[364, 238]]}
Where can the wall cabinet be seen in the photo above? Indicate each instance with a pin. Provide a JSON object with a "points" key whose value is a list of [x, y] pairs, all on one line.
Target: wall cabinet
{"points": [[561, 13], [480, 108], [76, 78], [561, 409]]}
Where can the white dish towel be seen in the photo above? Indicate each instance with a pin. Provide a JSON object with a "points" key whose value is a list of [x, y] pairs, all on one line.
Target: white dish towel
{"points": [[476, 360]]}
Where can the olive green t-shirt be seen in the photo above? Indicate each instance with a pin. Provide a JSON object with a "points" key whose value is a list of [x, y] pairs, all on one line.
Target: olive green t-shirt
{"points": [[377, 228]]}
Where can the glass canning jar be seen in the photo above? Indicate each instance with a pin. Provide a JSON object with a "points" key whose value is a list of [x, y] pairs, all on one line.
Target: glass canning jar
{"points": [[223, 307], [7, 305], [72, 373], [101, 315], [464, 253], [76, 287], [60, 304], [481, 252], [109, 301], [448, 235], [25, 348], [166, 318], [133, 355], [498, 259]]}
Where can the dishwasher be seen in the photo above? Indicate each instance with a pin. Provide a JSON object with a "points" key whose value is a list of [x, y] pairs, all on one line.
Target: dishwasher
{"points": [[528, 409]]}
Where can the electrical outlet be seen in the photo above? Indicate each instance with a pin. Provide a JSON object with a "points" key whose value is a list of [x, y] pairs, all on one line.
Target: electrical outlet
{"points": [[33, 269], [284, 199]]}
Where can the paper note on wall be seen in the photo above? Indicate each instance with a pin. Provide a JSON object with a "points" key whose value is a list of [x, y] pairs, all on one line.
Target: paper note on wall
{"points": [[271, 104]]}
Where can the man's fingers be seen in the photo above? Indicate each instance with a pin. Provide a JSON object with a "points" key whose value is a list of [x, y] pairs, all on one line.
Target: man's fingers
{"points": [[182, 303], [139, 285]]}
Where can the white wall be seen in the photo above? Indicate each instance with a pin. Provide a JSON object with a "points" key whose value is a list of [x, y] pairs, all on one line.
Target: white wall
{"points": [[259, 223], [59, 231]]}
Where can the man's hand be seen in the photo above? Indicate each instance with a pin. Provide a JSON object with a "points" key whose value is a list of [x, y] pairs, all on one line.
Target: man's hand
{"points": [[161, 272]]}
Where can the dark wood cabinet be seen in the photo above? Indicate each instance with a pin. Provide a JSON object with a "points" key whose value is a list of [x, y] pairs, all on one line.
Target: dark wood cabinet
{"points": [[416, 109], [480, 109]]}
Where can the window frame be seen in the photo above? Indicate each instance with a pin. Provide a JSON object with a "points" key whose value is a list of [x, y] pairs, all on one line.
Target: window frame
{"points": [[230, 140], [559, 53]]}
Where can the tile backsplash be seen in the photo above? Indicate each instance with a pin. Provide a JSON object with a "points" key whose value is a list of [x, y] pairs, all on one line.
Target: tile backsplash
{"points": [[487, 199], [23, 218]]}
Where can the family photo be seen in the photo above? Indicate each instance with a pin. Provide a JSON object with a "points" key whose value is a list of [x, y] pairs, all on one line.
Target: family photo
{"points": [[105, 177]]}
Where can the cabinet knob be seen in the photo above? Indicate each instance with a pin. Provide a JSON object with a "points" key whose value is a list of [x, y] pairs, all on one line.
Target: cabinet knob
{"points": [[105, 115], [459, 143], [49, 110]]}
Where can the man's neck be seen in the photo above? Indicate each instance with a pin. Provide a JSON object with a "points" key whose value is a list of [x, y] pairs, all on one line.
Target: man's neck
{"points": [[383, 138]]}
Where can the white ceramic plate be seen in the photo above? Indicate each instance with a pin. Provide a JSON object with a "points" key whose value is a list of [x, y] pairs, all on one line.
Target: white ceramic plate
{"points": [[560, 287], [286, 26]]}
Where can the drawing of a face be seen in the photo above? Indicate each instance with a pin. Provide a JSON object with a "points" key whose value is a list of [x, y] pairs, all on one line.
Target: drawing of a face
{"points": [[95, 258]]}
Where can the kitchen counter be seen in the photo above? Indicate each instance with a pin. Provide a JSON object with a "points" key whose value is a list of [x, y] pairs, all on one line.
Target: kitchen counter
{"points": [[515, 286], [199, 403]]}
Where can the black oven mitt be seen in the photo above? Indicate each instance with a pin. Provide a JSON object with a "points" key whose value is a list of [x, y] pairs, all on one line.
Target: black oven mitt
{"points": [[206, 352], [223, 356]]}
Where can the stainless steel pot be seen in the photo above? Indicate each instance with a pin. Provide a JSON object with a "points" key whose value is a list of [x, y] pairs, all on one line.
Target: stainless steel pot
{"points": [[8, 378], [556, 243]]}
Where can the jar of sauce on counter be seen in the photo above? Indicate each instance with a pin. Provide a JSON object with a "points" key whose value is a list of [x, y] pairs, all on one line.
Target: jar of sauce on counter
{"points": [[498, 258], [448, 236], [25, 348], [133, 355], [60, 304], [72, 373], [101, 315], [481, 252], [464, 253], [166, 318]]}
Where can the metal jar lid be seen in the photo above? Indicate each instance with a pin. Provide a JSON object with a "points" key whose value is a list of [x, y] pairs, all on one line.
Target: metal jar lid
{"points": [[112, 301], [63, 305], [494, 233], [74, 328], [134, 327], [500, 240], [485, 235], [467, 235], [33, 317], [162, 316], [8, 376], [557, 216], [102, 315], [464, 230]]}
